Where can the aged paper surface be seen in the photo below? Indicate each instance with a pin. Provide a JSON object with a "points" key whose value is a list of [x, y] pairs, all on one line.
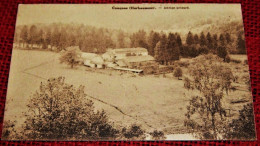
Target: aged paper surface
{"points": [[129, 72]]}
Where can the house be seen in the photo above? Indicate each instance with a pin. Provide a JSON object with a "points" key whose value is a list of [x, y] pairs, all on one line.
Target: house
{"points": [[92, 60]]}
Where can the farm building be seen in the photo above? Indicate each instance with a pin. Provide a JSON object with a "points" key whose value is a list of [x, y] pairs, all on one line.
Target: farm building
{"points": [[124, 52], [146, 63], [92, 60], [127, 59]]}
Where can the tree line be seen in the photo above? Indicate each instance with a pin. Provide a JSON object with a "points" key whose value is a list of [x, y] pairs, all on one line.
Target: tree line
{"points": [[165, 47]]}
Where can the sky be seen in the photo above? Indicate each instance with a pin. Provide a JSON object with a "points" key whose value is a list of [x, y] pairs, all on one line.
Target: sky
{"points": [[103, 15]]}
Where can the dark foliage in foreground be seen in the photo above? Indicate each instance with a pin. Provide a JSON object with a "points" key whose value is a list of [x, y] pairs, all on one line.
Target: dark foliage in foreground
{"points": [[59, 111], [243, 127], [205, 112], [157, 135]]}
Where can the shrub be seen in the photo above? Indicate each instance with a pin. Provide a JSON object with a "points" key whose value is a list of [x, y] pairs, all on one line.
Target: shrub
{"points": [[59, 111], [157, 135], [243, 127], [134, 132], [177, 72], [9, 132]]}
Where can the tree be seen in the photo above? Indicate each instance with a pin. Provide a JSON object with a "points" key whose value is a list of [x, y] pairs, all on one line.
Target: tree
{"points": [[158, 52], [138, 39], [24, 34], [178, 72], [209, 41], [48, 37], [153, 39], [222, 52], [228, 38], [70, 56], [196, 39], [33, 35], [214, 43], [55, 37], [189, 39], [64, 42], [222, 40], [39, 38], [205, 115], [172, 48], [121, 39], [243, 127], [203, 41], [241, 44], [59, 111], [178, 40]]}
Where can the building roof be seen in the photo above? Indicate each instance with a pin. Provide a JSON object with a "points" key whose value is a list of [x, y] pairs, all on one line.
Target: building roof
{"points": [[88, 56], [139, 58], [129, 50], [97, 60], [121, 63]]}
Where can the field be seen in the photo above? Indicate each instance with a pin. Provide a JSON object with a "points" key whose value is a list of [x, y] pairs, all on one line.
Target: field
{"points": [[155, 102]]}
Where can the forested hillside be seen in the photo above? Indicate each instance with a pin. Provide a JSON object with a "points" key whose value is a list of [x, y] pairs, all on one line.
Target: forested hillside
{"points": [[209, 36]]}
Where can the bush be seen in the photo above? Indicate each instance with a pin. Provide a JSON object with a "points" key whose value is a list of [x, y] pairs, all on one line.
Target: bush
{"points": [[9, 132], [59, 111], [134, 132], [157, 135], [177, 72], [243, 127]]}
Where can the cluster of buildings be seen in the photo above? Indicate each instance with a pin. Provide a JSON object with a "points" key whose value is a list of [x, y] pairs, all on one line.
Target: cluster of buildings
{"points": [[127, 59]]}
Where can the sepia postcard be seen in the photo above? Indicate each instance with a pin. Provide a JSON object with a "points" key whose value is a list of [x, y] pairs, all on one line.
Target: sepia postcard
{"points": [[89, 72]]}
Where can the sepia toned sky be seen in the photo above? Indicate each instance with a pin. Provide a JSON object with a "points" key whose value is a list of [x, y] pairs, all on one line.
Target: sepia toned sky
{"points": [[102, 15]]}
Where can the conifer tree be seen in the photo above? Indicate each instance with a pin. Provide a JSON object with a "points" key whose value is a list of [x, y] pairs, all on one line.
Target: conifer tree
{"points": [[222, 40], [158, 52], [228, 38], [189, 39], [215, 42], [241, 44], [209, 41], [196, 39], [203, 41], [172, 48], [154, 38]]}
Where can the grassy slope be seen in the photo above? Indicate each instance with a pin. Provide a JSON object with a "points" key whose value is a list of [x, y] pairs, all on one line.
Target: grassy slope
{"points": [[153, 102]]}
